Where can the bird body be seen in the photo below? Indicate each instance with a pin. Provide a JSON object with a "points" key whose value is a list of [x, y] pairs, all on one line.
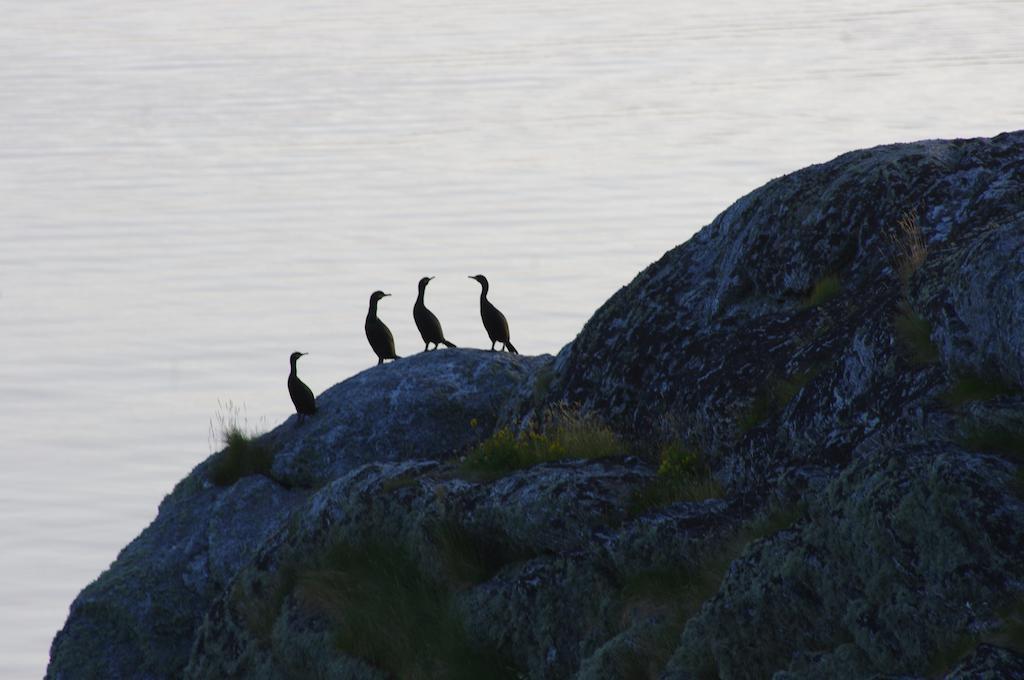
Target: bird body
{"points": [[379, 335], [302, 396], [426, 321], [495, 322]]}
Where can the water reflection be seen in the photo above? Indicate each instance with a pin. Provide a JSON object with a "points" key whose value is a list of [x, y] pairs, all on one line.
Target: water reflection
{"points": [[192, 191]]}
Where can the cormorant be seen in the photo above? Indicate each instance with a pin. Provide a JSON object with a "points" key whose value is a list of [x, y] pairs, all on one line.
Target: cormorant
{"points": [[430, 327], [381, 340], [494, 321], [302, 396]]}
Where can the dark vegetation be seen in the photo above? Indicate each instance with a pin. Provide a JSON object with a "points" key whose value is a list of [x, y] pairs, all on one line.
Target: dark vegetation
{"points": [[676, 595], [564, 433], [386, 610], [773, 396], [1002, 439], [915, 336], [827, 288], [974, 387], [244, 452], [683, 475], [1007, 632]]}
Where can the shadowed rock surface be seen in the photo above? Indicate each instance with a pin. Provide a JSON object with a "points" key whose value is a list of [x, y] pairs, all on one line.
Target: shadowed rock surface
{"points": [[845, 349]]}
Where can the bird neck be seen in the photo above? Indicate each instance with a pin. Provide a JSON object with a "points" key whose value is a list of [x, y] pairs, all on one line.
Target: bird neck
{"points": [[483, 291], [293, 372], [373, 308], [419, 298]]}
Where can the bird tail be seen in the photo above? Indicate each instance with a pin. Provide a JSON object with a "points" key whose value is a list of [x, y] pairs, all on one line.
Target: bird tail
{"points": [[511, 348], [446, 343]]}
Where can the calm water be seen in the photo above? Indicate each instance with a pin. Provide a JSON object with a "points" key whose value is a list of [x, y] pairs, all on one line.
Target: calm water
{"points": [[192, 190]]}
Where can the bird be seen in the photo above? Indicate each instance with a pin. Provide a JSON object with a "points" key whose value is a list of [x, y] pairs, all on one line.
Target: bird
{"points": [[426, 322], [494, 321], [302, 396], [381, 340]]}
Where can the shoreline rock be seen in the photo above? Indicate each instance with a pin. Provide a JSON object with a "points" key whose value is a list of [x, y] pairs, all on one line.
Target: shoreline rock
{"points": [[843, 347]]}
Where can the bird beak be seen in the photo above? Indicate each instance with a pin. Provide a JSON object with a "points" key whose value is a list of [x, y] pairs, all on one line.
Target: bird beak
{"points": [[302, 354], [470, 277], [431, 278], [387, 294]]}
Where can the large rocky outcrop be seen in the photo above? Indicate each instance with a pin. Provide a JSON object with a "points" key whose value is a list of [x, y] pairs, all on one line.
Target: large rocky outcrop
{"points": [[845, 348], [138, 619]]}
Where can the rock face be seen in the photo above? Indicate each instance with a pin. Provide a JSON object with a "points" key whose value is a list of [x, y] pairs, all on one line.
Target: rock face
{"points": [[845, 349]]}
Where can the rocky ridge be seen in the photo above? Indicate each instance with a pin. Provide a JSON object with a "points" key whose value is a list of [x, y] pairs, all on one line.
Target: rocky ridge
{"points": [[844, 348]]}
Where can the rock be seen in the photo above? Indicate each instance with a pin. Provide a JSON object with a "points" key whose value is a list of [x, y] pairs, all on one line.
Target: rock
{"points": [[430, 405], [538, 588], [989, 662], [719, 335], [844, 349], [137, 620], [904, 551], [147, 606]]}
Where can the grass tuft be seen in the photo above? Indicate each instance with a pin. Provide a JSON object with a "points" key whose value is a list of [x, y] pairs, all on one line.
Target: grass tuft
{"points": [[909, 249], [565, 434], [1008, 634], [385, 610], [683, 475], [973, 387], [680, 593], [774, 396], [824, 290], [470, 558], [1003, 440], [999, 439], [915, 334], [243, 453]]}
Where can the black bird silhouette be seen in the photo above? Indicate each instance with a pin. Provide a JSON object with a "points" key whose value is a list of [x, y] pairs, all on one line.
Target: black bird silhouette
{"points": [[426, 322], [494, 321], [302, 396], [381, 340]]}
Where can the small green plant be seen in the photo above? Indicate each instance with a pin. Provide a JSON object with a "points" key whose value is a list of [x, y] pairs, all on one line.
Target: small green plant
{"points": [[243, 453], [565, 434], [680, 593], [259, 612], [973, 387], [470, 558], [1004, 440], [399, 482], [915, 334], [774, 396], [946, 657], [683, 475], [824, 290], [542, 385], [1009, 634], [387, 611]]}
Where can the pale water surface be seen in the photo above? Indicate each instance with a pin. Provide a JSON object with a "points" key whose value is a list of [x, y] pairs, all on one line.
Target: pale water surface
{"points": [[193, 190]]}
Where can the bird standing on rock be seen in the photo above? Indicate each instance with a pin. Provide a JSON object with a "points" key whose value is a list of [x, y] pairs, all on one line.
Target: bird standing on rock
{"points": [[494, 321], [302, 396], [379, 335], [426, 322]]}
